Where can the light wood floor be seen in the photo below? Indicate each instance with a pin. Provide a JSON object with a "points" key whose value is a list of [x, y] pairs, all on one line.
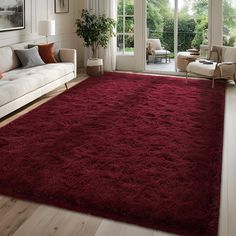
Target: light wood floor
{"points": [[23, 218]]}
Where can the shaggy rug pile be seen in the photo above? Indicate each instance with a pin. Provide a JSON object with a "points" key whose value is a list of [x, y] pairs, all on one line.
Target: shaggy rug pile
{"points": [[135, 148]]}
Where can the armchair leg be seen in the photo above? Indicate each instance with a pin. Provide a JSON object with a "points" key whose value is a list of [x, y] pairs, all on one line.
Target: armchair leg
{"points": [[213, 82], [186, 78], [66, 86]]}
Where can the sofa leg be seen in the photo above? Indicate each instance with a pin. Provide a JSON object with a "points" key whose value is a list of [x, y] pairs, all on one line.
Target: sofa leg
{"points": [[213, 83], [66, 86]]}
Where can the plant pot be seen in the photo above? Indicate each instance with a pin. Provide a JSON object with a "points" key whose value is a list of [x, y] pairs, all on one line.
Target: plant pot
{"points": [[94, 67]]}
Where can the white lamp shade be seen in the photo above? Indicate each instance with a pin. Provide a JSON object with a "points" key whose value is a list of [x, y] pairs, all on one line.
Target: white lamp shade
{"points": [[46, 27]]}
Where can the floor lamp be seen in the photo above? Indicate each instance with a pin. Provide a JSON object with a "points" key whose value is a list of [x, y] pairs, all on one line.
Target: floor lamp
{"points": [[47, 28]]}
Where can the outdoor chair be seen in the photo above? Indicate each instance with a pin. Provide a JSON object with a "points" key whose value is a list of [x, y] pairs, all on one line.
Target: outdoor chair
{"points": [[155, 52], [220, 64]]}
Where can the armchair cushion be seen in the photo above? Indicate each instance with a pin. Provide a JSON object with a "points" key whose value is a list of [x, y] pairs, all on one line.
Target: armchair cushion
{"points": [[155, 43], [199, 68], [214, 56], [162, 52], [228, 54]]}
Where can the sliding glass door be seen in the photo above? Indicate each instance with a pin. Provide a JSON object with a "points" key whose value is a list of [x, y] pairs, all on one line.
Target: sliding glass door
{"points": [[178, 25], [160, 35]]}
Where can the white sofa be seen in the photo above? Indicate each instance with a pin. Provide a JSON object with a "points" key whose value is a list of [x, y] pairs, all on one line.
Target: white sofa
{"points": [[20, 86]]}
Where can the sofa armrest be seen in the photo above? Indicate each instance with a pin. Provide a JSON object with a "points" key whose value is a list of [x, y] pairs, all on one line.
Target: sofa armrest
{"points": [[69, 55]]}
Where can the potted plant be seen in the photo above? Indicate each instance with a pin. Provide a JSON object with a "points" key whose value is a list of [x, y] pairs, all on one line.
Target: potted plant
{"points": [[96, 31]]}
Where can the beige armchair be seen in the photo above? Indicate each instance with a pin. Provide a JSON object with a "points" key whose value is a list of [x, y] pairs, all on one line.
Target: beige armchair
{"points": [[221, 64], [156, 52]]}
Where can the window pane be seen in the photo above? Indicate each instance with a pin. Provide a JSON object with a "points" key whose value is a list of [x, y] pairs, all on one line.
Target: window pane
{"points": [[125, 27], [129, 43], [120, 44], [120, 25], [120, 7], [229, 27], [129, 7], [129, 24]]}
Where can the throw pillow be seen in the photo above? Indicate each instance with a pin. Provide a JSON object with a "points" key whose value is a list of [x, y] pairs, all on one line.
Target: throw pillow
{"points": [[1, 74], [56, 48], [29, 57], [48, 52]]}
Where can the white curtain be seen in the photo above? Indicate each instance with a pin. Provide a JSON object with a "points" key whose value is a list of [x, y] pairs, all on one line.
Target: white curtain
{"points": [[109, 8]]}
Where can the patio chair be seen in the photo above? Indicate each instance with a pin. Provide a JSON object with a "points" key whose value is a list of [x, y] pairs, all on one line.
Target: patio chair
{"points": [[155, 52], [221, 64]]}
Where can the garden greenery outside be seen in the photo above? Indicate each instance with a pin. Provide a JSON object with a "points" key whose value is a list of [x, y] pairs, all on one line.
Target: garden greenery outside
{"points": [[192, 23]]}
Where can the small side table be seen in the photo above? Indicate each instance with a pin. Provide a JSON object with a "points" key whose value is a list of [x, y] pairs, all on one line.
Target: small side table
{"points": [[183, 58]]}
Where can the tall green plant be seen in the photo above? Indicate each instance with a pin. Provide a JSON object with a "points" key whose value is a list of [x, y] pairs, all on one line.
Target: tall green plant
{"points": [[96, 30]]}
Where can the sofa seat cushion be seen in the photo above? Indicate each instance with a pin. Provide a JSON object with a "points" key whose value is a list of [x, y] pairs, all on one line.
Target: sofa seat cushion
{"points": [[18, 82], [202, 69]]}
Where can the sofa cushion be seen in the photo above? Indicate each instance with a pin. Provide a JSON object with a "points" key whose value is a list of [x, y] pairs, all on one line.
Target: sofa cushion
{"points": [[18, 82], [8, 59], [29, 57], [56, 49], [46, 53]]}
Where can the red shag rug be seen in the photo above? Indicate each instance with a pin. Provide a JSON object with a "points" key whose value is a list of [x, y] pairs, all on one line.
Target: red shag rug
{"points": [[141, 149]]}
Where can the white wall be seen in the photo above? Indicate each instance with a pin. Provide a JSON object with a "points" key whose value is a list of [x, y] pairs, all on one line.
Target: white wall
{"points": [[36, 10]]}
